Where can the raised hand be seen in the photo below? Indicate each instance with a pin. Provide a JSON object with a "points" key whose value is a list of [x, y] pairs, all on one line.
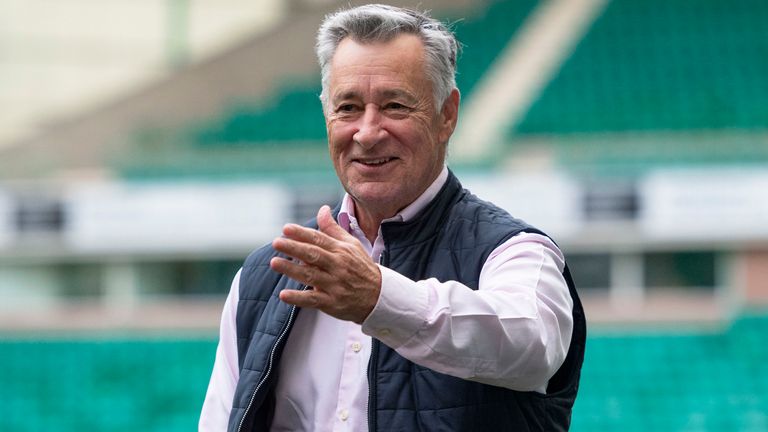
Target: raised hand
{"points": [[344, 281]]}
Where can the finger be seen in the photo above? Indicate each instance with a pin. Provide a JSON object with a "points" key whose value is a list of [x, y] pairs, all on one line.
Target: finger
{"points": [[307, 235], [304, 299], [328, 225], [308, 253], [308, 275]]}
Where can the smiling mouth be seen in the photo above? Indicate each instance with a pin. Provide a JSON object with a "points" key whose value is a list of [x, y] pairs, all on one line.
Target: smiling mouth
{"points": [[375, 162]]}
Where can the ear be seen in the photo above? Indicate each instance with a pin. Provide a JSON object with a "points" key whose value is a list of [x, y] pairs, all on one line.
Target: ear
{"points": [[449, 116]]}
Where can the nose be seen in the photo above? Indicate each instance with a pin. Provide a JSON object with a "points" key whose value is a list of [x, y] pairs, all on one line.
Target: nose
{"points": [[370, 131]]}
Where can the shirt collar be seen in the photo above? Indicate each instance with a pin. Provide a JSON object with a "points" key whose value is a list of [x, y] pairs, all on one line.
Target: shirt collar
{"points": [[347, 218]]}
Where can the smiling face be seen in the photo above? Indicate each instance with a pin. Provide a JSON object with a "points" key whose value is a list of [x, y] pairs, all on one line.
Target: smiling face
{"points": [[386, 139]]}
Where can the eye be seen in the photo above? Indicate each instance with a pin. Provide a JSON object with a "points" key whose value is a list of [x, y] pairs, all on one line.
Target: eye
{"points": [[395, 106], [346, 108]]}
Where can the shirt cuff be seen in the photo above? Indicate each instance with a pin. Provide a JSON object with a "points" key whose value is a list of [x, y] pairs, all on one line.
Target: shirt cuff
{"points": [[400, 312]]}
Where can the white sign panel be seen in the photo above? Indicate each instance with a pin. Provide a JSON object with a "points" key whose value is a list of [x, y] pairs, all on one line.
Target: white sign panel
{"points": [[7, 229], [548, 201], [724, 204], [174, 217]]}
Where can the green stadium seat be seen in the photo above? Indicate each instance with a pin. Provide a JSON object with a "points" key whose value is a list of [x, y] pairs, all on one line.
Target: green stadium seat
{"points": [[484, 36], [659, 67], [294, 117], [676, 382], [631, 381], [114, 385]]}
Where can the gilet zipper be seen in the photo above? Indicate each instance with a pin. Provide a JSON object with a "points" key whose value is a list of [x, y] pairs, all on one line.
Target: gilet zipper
{"points": [[370, 406], [271, 361]]}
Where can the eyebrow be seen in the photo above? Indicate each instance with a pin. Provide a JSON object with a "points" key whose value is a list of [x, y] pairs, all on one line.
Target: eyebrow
{"points": [[395, 93], [349, 94], [385, 94]]}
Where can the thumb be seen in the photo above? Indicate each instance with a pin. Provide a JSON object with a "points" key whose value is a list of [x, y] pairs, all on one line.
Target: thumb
{"points": [[328, 225]]}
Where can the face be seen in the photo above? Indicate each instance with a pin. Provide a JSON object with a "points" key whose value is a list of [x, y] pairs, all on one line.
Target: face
{"points": [[386, 139]]}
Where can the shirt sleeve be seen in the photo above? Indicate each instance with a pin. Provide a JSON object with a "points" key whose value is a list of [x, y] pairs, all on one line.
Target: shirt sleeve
{"points": [[214, 416], [513, 332]]}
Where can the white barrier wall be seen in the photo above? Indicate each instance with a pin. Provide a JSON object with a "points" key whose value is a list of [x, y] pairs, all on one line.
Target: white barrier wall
{"points": [[549, 201], [693, 205], [723, 204], [135, 218]]}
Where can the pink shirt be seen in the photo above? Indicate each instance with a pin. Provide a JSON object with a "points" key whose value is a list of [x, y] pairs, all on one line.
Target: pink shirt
{"points": [[513, 332]]}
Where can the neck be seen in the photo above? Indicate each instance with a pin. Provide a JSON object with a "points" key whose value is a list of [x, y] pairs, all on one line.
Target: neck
{"points": [[369, 215], [370, 221]]}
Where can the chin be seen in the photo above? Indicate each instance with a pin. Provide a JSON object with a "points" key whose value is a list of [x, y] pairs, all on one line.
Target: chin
{"points": [[378, 195]]}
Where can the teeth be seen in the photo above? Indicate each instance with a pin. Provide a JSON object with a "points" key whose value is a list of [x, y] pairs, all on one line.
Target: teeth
{"points": [[375, 161]]}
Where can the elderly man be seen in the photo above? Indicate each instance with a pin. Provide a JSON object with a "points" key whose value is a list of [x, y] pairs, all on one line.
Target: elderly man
{"points": [[413, 305]]}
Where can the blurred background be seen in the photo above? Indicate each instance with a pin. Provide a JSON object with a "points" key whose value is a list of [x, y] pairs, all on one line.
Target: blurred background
{"points": [[147, 146]]}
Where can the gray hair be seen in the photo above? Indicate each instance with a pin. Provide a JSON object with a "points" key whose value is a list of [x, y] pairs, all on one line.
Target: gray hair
{"points": [[382, 23]]}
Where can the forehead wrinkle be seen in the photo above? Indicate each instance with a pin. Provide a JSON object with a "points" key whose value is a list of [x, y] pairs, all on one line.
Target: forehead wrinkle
{"points": [[345, 95]]}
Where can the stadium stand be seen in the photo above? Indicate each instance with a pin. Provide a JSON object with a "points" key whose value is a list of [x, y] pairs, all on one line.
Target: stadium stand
{"points": [[113, 384], [295, 116], [658, 70], [484, 36], [682, 65], [284, 134], [681, 381], [665, 380], [684, 72]]}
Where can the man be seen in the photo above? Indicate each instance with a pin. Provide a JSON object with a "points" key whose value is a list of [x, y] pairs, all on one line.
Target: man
{"points": [[413, 305]]}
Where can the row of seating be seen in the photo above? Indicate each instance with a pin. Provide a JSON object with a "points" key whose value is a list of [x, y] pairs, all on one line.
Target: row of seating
{"points": [[622, 155], [678, 65], [670, 380], [676, 380], [295, 115], [484, 36], [110, 385]]}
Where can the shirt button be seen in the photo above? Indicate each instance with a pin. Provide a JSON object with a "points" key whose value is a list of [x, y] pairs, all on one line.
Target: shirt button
{"points": [[356, 346], [384, 332], [344, 415]]}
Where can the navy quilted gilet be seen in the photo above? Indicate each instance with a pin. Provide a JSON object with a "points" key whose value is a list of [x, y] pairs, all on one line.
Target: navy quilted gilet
{"points": [[449, 240]]}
